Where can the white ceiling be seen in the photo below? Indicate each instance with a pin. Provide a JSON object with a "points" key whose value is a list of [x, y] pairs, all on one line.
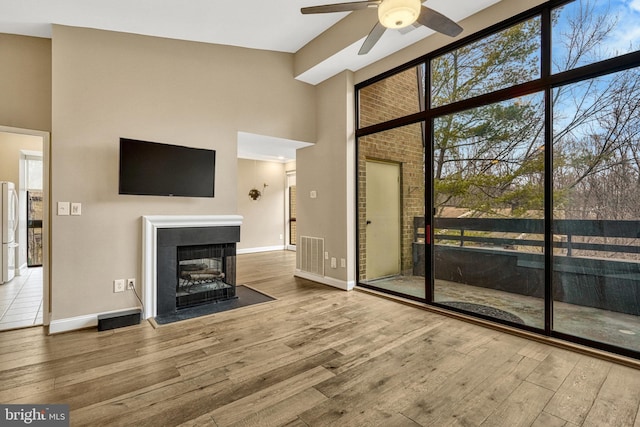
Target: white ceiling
{"points": [[261, 24], [268, 148], [275, 25]]}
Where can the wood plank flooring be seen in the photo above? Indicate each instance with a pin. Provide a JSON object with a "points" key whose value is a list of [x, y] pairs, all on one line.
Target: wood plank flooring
{"points": [[316, 356]]}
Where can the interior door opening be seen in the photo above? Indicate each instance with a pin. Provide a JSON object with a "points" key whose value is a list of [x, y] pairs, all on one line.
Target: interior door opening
{"points": [[25, 155]]}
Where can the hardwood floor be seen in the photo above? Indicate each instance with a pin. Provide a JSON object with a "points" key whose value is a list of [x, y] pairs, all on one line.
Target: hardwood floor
{"points": [[316, 356]]}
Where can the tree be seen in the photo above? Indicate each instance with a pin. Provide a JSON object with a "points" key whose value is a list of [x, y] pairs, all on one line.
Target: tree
{"points": [[482, 154], [490, 159]]}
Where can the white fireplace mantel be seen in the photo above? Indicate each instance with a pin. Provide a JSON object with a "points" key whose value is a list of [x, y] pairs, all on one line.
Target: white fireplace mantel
{"points": [[150, 226]]}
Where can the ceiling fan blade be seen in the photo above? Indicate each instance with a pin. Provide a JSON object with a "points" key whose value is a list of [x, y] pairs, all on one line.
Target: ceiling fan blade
{"points": [[373, 37], [438, 22], [340, 7], [409, 28]]}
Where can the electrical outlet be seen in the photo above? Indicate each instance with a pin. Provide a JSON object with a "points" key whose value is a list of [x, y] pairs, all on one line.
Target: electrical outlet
{"points": [[118, 285], [343, 263], [326, 255], [131, 284], [334, 263]]}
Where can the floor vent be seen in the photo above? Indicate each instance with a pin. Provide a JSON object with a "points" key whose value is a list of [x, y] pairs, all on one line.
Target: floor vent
{"points": [[311, 257]]}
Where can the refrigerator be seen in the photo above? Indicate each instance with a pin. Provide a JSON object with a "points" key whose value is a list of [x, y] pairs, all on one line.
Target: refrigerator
{"points": [[9, 226]]}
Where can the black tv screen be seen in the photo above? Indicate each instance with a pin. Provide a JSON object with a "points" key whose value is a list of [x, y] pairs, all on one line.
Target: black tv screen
{"points": [[155, 169]]}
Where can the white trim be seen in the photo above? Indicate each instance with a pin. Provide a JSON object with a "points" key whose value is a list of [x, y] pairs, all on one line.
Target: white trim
{"points": [[79, 322], [260, 249], [150, 226], [177, 221], [336, 283], [73, 323]]}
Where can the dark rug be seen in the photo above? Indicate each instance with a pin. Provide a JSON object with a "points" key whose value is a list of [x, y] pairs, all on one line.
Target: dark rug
{"points": [[246, 296], [484, 310]]}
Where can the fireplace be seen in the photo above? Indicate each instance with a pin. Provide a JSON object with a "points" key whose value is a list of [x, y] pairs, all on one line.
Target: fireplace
{"points": [[206, 273], [188, 261]]}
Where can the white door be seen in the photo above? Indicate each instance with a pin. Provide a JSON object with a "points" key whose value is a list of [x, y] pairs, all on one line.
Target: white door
{"points": [[383, 220]]}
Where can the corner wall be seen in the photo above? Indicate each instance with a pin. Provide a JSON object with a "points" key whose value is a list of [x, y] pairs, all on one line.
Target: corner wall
{"points": [[328, 169], [263, 224]]}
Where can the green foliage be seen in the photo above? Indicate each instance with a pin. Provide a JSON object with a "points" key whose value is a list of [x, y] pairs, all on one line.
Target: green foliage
{"points": [[490, 159]]}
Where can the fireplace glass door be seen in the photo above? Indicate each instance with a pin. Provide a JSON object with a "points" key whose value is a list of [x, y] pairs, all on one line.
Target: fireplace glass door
{"points": [[205, 273]]}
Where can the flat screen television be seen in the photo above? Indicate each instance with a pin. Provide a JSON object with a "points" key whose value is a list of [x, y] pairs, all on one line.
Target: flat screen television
{"points": [[155, 169]]}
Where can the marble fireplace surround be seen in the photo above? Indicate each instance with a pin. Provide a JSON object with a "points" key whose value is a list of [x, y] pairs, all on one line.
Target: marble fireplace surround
{"points": [[150, 226]]}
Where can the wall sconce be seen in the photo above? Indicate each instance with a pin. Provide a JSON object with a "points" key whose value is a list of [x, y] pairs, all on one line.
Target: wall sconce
{"points": [[255, 194]]}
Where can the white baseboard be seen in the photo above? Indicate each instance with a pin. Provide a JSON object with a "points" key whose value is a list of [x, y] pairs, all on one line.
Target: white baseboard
{"points": [[260, 249], [336, 283], [79, 322], [73, 323]]}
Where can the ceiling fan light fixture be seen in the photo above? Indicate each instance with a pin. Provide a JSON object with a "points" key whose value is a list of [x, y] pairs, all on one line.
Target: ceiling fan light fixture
{"points": [[398, 13]]}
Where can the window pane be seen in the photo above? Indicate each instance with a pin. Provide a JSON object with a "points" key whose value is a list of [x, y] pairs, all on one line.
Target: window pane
{"points": [[597, 209], [501, 60], [396, 96], [390, 208], [34, 174], [489, 201], [588, 31]]}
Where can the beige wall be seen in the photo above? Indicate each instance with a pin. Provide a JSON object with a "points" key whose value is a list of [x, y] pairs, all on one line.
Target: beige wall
{"points": [[10, 146], [263, 222], [107, 85], [327, 169], [25, 82]]}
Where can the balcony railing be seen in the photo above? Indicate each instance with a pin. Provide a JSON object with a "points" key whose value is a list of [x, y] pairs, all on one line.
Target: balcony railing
{"points": [[567, 229], [595, 262]]}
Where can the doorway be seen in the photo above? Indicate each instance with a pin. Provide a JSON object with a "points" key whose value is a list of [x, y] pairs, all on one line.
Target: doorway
{"points": [[290, 212], [383, 234], [24, 301]]}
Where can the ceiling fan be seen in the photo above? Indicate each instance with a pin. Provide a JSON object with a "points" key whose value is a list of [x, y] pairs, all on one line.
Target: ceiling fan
{"points": [[394, 14]]}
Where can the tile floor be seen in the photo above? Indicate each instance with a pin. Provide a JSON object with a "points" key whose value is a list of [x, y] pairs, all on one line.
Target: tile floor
{"points": [[21, 300]]}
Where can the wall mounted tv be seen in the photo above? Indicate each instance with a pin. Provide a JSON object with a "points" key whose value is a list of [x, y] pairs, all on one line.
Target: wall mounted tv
{"points": [[155, 169]]}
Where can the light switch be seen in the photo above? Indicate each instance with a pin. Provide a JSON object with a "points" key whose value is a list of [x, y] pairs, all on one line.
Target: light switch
{"points": [[76, 208], [63, 208], [313, 194]]}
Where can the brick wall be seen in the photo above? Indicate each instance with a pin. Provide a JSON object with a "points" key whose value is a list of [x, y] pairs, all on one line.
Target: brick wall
{"points": [[393, 97]]}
